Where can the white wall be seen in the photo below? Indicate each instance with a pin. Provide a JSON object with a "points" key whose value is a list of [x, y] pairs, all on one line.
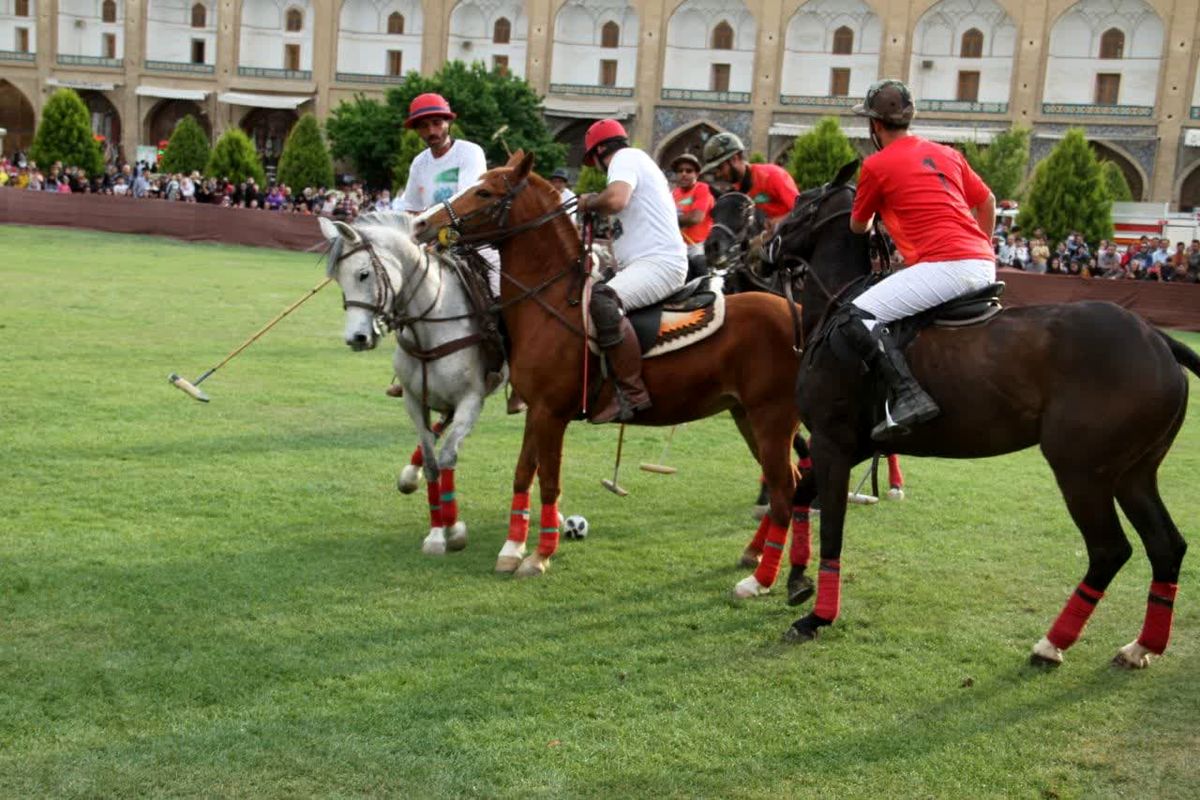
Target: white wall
{"points": [[80, 30], [169, 31], [1074, 60], [938, 38], [689, 58], [808, 47], [263, 33], [9, 23], [577, 52], [363, 40], [472, 24]]}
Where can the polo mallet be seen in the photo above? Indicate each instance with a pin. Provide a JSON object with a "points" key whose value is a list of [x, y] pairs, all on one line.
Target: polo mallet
{"points": [[661, 467], [499, 134], [193, 387], [612, 485], [867, 499]]}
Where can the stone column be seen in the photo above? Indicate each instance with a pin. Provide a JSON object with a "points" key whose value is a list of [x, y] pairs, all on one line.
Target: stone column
{"points": [[134, 54], [1029, 78], [325, 55], [896, 50], [1174, 97], [228, 31], [436, 34], [539, 43], [652, 23], [765, 86]]}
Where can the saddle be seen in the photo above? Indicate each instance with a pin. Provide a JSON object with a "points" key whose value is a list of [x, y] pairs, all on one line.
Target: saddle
{"points": [[472, 271], [691, 315], [961, 312]]}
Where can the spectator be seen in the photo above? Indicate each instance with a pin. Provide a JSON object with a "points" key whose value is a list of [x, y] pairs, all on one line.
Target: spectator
{"points": [[1193, 266], [1039, 252], [1007, 253], [1053, 267], [1109, 263], [1021, 254]]}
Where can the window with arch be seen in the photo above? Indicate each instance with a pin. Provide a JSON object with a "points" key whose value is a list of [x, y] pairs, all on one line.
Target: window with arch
{"points": [[22, 8], [294, 20], [502, 31], [396, 22], [108, 11], [1112, 43], [199, 15], [610, 35], [722, 36], [972, 44], [843, 41]]}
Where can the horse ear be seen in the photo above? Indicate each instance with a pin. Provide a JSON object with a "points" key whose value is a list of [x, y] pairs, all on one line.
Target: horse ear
{"points": [[328, 229], [846, 173], [525, 166], [347, 233], [515, 157]]}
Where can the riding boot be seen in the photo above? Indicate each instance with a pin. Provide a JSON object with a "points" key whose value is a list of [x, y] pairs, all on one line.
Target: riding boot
{"points": [[625, 369], [909, 404]]}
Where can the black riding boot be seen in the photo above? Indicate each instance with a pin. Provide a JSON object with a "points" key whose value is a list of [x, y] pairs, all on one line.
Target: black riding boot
{"points": [[625, 368], [908, 403]]}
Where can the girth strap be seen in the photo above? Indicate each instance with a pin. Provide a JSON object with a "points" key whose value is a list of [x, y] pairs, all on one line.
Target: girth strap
{"points": [[442, 350]]}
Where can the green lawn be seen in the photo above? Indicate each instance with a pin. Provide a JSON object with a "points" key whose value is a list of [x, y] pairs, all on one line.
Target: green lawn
{"points": [[230, 599]]}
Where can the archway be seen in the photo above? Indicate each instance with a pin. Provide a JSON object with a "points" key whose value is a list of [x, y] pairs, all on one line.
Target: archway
{"points": [[106, 122], [162, 119], [268, 129], [572, 135], [1189, 190], [688, 139], [1133, 175], [17, 117]]}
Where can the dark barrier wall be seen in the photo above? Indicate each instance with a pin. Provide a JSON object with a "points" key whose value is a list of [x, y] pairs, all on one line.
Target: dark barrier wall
{"points": [[1168, 305], [193, 222]]}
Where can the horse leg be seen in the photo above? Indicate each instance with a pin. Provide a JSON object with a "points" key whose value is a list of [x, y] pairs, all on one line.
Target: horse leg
{"points": [[548, 433], [410, 475], [466, 414], [800, 587], [1090, 501], [513, 551], [435, 543], [753, 552], [895, 478], [774, 449]]}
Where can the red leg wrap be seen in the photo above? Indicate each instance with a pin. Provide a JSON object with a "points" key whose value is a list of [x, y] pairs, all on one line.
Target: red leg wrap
{"points": [[435, 504], [548, 538], [895, 476], [760, 536], [829, 590], [804, 464], [801, 537], [449, 503], [1160, 607], [768, 568], [417, 459], [518, 520], [1074, 616]]}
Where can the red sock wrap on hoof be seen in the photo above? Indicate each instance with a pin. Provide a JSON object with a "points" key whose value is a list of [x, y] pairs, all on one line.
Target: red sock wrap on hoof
{"points": [[772, 554], [434, 493], [801, 537], [548, 536], [518, 520], [804, 464], [1074, 616], [829, 590], [895, 476], [449, 501], [417, 459], [1160, 608], [760, 536]]}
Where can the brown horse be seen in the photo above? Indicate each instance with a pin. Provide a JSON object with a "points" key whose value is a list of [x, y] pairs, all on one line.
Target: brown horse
{"points": [[747, 367], [1022, 378]]}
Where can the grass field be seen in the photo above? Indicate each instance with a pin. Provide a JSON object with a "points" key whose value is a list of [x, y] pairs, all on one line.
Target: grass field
{"points": [[229, 600]]}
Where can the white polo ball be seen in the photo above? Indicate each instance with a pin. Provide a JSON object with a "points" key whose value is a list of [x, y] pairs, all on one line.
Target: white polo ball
{"points": [[575, 527]]}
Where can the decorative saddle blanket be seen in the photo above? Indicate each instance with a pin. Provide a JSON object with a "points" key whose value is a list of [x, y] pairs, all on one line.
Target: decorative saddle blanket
{"points": [[691, 315]]}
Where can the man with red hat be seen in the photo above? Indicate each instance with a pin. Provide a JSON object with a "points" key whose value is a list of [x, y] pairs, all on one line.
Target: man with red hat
{"points": [[447, 165], [649, 250]]}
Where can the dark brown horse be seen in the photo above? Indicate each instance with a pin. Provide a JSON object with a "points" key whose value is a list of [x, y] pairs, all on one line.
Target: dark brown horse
{"points": [[1018, 380], [747, 367]]}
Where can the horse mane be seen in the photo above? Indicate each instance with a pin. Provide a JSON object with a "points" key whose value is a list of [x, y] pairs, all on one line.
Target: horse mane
{"points": [[368, 225]]}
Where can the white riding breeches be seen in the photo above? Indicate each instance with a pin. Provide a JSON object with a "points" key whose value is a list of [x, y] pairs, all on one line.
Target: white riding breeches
{"points": [[695, 249], [923, 286], [648, 281]]}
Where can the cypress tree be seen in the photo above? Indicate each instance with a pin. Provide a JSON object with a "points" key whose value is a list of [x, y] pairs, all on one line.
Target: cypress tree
{"points": [[188, 149], [305, 160], [1068, 193], [1114, 182], [819, 154], [234, 158], [1001, 164], [410, 147], [65, 134]]}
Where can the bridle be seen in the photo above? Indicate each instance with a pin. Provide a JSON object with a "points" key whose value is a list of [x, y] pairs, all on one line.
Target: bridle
{"points": [[800, 215], [387, 308], [732, 259]]}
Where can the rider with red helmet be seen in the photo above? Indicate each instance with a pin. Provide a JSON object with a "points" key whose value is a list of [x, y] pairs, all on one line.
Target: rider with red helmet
{"points": [[649, 250]]}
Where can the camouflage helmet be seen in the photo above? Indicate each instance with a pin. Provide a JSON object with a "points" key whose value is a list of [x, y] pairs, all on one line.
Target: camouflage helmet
{"points": [[888, 101], [685, 158], [720, 148]]}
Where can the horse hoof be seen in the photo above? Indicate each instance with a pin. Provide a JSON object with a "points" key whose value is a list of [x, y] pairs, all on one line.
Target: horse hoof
{"points": [[435, 543], [507, 565], [409, 479], [749, 587], [533, 566], [1133, 656], [750, 558], [457, 536], [799, 590], [759, 511], [799, 633], [1045, 654], [895, 493]]}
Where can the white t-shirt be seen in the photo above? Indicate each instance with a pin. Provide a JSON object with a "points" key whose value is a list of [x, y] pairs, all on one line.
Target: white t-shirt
{"points": [[432, 180], [566, 194], [648, 226]]}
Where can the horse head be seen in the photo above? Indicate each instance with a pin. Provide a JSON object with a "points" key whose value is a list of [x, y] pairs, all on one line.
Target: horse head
{"points": [[369, 261], [735, 220]]}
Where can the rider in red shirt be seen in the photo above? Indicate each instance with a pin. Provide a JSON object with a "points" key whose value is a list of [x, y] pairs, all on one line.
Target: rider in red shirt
{"points": [[941, 216], [770, 186]]}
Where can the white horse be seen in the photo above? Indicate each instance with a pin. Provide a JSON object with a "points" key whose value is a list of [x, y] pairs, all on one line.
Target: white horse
{"points": [[388, 281]]}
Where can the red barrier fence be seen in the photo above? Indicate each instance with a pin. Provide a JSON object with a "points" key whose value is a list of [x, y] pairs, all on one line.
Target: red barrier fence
{"points": [[1169, 305]]}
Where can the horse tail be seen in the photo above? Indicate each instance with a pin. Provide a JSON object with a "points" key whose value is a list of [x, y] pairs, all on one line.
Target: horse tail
{"points": [[1184, 355]]}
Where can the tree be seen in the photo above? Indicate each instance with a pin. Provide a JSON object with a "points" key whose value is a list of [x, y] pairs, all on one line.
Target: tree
{"points": [[1068, 193], [65, 134], [1114, 183], [590, 180], [368, 133], [234, 158], [819, 154], [1001, 164], [410, 147], [188, 149], [305, 160]]}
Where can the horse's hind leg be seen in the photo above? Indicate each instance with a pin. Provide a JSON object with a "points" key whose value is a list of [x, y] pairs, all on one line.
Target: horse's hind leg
{"points": [[466, 413], [513, 550], [800, 587], [1090, 500], [753, 552]]}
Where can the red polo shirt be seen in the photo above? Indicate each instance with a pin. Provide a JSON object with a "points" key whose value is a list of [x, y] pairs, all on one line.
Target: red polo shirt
{"points": [[772, 189], [698, 198]]}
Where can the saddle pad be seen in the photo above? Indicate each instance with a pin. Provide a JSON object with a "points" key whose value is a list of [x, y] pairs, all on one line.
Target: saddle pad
{"points": [[676, 328]]}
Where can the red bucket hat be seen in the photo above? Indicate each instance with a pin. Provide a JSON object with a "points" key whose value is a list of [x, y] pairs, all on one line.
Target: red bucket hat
{"points": [[428, 105]]}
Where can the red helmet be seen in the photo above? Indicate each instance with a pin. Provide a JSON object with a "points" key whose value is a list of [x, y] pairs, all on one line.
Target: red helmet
{"points": [[603, 131], [428, 105]]}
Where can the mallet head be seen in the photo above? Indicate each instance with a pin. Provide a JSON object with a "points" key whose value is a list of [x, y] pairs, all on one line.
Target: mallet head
{"points": [[184, 385], [614, 487]]}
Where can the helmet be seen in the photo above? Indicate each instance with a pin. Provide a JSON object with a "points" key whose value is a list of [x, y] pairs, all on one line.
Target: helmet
{"points": [[600, 133], [562, 174], [428, 105], [688, 158], [720, 148], [888, 101]]}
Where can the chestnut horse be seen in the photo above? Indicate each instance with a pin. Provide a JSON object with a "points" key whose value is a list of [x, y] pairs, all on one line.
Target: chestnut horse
{"points": [[1018, 380], [747, 367]]}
